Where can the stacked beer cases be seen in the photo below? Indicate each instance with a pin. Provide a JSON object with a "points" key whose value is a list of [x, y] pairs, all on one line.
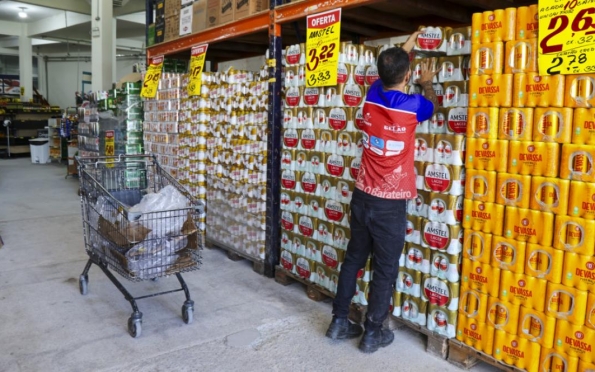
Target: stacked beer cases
{"points": [[529, 224], [320, 159], [427, 289], [236, 155]]}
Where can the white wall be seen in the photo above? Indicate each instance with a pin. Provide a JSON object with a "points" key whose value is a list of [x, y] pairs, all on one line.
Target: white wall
{"points": [[248, 64], [64, 79]]}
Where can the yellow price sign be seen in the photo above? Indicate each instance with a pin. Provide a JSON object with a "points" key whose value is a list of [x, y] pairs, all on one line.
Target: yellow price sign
{"points": [[152, 76], [197, 64], [566, 37], [109, 147], [323, 48]]}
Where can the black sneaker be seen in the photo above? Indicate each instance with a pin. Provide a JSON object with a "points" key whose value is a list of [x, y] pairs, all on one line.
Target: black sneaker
{"points": [[342, 329], [375, 339]]}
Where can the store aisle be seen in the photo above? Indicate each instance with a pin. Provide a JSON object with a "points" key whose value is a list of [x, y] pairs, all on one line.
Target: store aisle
{"points": [[242, 321]]}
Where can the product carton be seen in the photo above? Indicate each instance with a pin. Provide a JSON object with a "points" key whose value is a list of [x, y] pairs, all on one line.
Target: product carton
{"points": [[477, 246], [582, 200], [544, 262], [245, 8], [516, 124], [199, 15], [493, 26], [226, 11], [550, 194], [566, 303], [575, 234], [517, 351], [481, 277], [503, 316], [442, 321], [487, 58], [513, 190], [476, 334], [523, 290], [552, 125], [508, 254], [521, 56], [583, 128]]}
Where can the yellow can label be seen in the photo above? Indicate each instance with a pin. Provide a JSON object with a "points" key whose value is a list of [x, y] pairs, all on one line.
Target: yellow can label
{"points": [[476, 334], [566, 303], [486, 154], [585, 366], [552, 360], [523, 290], [577, 163], [483, 122], [513, 190], [477, 246], [529, 225], [490, 90], [534, 158], [473, 304], [503, 315], [521, 56], [590, 319], [579, 91], [487, 58], [516, 124], [492, 26], [486, 217], [550, 194], [533, 90], [480, 185], [552, 125], [583, 127], [481, 277], [579, 271], [574, 234], [544, 263], [575, 340], [536, 326], [517, 351], [527, 22], [582, 200], [508, 254]]}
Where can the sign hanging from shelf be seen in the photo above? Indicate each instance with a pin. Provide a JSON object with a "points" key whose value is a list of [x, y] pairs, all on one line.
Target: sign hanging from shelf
{"points": [[152, 76], [110, 149], [197, 64], [566, 37], [323, 48]]}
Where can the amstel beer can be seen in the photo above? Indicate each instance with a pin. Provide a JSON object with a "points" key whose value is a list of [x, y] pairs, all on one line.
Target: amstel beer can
{"points": [[414, 310], [445, 266], [442, 320], [544, 262], [517, 351], [440, 292]]}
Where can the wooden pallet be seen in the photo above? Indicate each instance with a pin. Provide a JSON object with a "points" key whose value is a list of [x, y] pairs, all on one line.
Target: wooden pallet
{"points": [[464, 356], [236, 255], [436, 344]]}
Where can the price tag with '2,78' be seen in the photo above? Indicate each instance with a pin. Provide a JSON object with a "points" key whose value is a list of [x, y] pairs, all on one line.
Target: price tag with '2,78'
{"points": [[197, 64], [152, 76], [566, 37], [323, 48]]}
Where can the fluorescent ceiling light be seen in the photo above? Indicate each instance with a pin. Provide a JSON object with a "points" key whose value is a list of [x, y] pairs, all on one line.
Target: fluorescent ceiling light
{"points": [[22, 13]]}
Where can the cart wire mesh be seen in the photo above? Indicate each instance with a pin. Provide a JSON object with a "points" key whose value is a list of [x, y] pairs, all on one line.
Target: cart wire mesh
{"points": [[137, 245]]}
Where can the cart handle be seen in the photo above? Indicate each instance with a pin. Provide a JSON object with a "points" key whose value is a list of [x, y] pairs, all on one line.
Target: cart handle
{"points": [[103, 159]]}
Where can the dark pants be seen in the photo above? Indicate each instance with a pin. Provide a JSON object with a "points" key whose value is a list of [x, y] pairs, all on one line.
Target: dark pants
{"points": [[377, 228]]}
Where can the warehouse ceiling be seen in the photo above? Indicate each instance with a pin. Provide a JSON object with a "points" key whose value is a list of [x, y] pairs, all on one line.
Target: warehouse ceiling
{"points": [[63, 27]]}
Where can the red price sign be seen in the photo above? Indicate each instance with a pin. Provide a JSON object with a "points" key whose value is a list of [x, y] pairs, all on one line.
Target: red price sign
{"points": [[566, 37], [322, 48]]}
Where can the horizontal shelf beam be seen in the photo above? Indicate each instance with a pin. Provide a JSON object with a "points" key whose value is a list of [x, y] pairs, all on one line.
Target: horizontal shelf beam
{"points": [[293, 11]]}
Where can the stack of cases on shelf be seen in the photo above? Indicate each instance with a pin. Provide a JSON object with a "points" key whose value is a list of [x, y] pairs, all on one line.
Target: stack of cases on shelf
{"points": [[236, 114], [88, 132], [129, 135], [427, 289], [529, 224], [320, 161]]}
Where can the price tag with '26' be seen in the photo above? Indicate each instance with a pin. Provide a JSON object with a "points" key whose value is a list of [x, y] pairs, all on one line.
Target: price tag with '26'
{"points": [[152, 76], [197, 64], [566, 37], [323, 48]]}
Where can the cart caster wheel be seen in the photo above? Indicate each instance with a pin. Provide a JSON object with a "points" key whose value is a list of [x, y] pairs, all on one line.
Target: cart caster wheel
{"points": [[134, 327], [188, 313], [83, 281]]}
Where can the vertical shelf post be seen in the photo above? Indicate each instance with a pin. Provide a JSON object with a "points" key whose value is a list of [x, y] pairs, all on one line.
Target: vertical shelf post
{"points": [[273, 220]]}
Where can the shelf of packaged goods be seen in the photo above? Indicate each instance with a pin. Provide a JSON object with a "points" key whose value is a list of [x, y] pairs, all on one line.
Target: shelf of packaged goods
{"points": [[297, 10], [245, 26]]}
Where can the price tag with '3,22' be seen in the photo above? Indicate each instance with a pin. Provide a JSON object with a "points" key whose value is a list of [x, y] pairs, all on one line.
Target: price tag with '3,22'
{"points": [[323, 48], [566, 37]]}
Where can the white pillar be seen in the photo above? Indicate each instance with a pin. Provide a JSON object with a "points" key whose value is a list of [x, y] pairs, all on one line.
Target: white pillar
{"points": [[25, 64], [102, 44], [114, 59]]}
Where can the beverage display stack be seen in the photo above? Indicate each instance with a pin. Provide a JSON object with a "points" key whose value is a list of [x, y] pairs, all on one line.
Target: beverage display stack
{"points": [[321, 157], [427, 288], [527, 294]]}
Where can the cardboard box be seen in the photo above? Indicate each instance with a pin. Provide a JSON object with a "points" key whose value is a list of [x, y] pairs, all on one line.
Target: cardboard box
{"points": [[186, 21], [213, 13], [199, 15], [245, 8], [172, 8], [160, 31], [226, 9], [151, 35], [159, 10], [172, 28]]}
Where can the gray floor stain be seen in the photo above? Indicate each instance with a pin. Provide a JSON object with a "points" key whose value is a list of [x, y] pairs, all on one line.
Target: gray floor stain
{"points": [[243, 338]]}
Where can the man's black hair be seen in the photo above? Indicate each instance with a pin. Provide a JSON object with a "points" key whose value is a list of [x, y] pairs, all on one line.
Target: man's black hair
{"points": [[393, 65]]}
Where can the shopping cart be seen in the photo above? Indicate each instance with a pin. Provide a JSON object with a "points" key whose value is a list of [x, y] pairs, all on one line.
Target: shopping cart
{"points": [[137, 245]]}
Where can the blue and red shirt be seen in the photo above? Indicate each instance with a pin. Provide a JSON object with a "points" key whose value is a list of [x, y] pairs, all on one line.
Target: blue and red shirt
{"points": [[390, 119]]}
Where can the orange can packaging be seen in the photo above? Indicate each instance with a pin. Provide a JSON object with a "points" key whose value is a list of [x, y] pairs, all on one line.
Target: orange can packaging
{"points": [[490, 90], [481, 277], [480, 185], [476, 334], [473, 304], [536, 326], [487, 58], [550, 194], [582, 200], [552, 125], [487, 154], [590, 318], [476, 246], [513, 190], [544, 263], [579, 271], [534, 158], [486, 217], [483, 122], [580, 91], [583, 128], [577, 163], [566, 303], [508, 254], [532, 90], [527, 22], [575, 340], [503, 315], [529, 226], [517, 351], [574, 234], [492, 26], [523, 290], [585, 367], [516, 124], [521, 56], [552, 360]]}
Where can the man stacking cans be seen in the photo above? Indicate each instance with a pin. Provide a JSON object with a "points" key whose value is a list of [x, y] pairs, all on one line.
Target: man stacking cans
{"points": [[385, 181]]}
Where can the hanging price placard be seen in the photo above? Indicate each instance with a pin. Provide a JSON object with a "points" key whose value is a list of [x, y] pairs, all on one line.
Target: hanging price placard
{"points": [[566, 37], [109, 146], [322, 48], [197, 64], [151, 82]]}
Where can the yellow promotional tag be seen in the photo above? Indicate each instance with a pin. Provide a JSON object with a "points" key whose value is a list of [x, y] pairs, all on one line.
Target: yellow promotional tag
{"points": [[197, 63], [566, 37], [151, 82], [322, 48], [110, 146]]}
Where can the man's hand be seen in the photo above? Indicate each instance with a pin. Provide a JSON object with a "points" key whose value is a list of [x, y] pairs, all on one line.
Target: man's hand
{"points": [[410, 43], [428, 67]]}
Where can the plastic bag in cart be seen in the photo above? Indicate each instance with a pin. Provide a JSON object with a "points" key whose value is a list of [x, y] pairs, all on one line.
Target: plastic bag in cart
{"points": [[161, 212], [153, 257]]}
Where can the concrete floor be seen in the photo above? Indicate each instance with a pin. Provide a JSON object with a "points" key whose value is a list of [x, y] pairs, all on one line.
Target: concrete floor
{"points": [[242, 321]]}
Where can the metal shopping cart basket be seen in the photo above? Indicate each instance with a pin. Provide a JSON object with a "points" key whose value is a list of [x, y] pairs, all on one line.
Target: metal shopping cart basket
{"points": [[137, 245]]}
